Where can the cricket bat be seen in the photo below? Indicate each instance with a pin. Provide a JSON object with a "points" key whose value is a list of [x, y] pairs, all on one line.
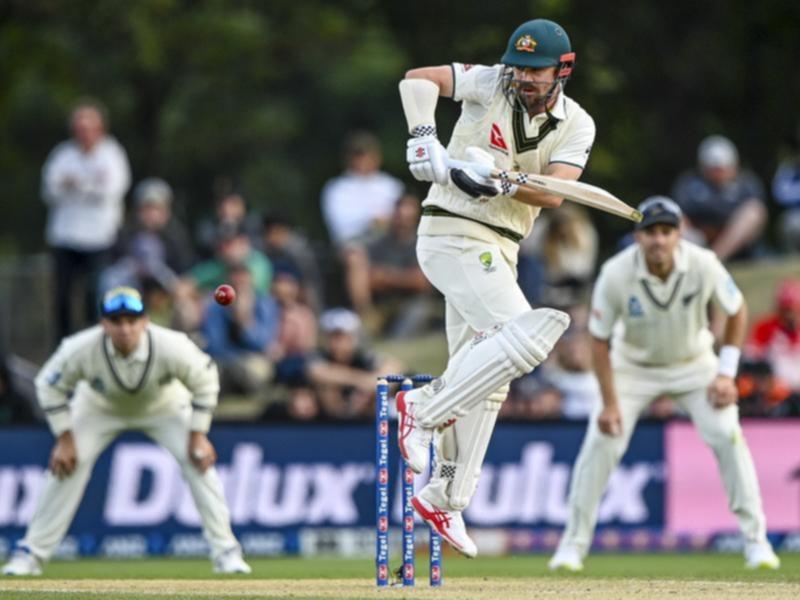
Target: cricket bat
{"points": [[576, 191]]}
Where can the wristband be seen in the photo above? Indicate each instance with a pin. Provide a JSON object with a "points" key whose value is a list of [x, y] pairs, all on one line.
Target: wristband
{"points": [[729, 361], [423, 131]]}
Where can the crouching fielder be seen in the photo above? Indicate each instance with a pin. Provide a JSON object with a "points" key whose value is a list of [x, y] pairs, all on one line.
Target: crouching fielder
{"points": [[126, 374], [657, 292], [513, 115]]}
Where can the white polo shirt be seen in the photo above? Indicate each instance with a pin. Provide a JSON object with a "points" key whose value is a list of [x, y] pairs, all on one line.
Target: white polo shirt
{"points": [[166, 368], [657, 323], [86, 215], [516, 141], [352, 202]]}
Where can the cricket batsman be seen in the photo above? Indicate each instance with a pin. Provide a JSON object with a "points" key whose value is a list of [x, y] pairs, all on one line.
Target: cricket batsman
{"points": [[126, 374], [514, 115], [652, 298]]}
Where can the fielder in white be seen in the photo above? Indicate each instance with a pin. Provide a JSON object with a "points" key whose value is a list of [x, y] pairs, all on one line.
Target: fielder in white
{"points": [[126, 374], [652, 298], [514, 115]]}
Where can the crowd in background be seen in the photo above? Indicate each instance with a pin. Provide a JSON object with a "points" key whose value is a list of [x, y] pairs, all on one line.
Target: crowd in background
{"points": [[308, 313]]}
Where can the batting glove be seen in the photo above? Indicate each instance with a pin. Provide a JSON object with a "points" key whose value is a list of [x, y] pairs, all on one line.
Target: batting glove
{"points": [[427, 159], [477, 186]]}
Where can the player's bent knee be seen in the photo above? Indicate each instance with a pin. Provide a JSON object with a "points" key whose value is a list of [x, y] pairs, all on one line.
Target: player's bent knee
{"points": [[490, 362]]}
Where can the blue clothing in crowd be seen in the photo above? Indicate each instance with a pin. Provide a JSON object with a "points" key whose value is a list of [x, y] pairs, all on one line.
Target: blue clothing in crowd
{"points": [[226, 339]]}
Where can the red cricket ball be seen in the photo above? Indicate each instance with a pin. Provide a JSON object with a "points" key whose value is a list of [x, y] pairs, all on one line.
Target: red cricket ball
{"points": [[224, 294]]}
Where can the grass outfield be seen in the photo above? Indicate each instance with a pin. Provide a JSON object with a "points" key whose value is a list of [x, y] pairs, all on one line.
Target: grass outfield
{"points": [[511, 578]]}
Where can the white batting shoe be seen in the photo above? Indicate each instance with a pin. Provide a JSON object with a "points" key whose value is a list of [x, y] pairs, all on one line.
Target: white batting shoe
{"points": [[230, 563], [414, 440], [566, 558], [761, 556], [23, 562], [448, 523]]}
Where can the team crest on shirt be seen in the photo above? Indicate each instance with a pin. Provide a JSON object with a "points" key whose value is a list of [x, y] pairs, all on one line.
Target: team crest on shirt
{"points": [[486, 259], [526, 43], [635, 307], [496, 139]]}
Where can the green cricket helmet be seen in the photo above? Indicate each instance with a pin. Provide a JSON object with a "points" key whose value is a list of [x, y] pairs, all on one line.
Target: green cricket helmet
{"points": [[538, 44]]}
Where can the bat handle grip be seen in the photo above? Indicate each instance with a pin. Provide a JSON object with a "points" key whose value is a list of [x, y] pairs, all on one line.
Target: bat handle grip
{"points": [[482, 170]]}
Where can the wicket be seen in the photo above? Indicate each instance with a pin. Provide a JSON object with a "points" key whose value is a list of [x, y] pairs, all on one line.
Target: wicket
{"points": [[382, 493]]}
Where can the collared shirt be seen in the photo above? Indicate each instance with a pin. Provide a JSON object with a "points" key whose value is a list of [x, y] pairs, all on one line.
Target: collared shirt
{"points": [[85, 192], [129, 369], [658, 322], [165, 368], [352, 202], [515, 140]]}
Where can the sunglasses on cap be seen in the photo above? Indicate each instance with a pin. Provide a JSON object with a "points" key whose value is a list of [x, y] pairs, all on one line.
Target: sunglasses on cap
{"points": [[123, 304]]}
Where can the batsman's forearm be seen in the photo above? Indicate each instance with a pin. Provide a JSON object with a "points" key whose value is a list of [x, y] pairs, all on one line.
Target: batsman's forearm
{"points": [[602, 368], [537, 198], [545, 199]]}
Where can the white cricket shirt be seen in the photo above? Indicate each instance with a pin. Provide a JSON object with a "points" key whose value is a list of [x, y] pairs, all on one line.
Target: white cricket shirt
{"points": [[658, 323], [516, 142], [166, 367]]}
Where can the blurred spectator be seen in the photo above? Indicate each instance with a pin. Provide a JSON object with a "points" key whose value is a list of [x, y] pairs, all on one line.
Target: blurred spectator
{"points": [[762, 394], [284, 245], [13, 407], [295, 344], [297, 330], [343, 373], [387, 287], [557, 263], [230, 207], [83, 182], [239, 336], [154, 246], [786, 191], [572, 375], [361, 199], [722, 204], [233, 249], [159, 303], [775, 338], [532, 398]]}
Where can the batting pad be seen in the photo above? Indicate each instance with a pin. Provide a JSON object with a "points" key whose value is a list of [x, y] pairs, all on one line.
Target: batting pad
{"points": [[489, 362], [419, 98]]}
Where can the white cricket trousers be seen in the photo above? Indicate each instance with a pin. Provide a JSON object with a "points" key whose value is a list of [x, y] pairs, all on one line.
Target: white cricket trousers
{"points": [[479, 285], [600, 454], [93, 430]]}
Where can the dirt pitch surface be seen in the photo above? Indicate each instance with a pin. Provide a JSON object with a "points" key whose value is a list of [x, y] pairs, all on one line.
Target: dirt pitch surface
{"points": [[463, 588]]}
